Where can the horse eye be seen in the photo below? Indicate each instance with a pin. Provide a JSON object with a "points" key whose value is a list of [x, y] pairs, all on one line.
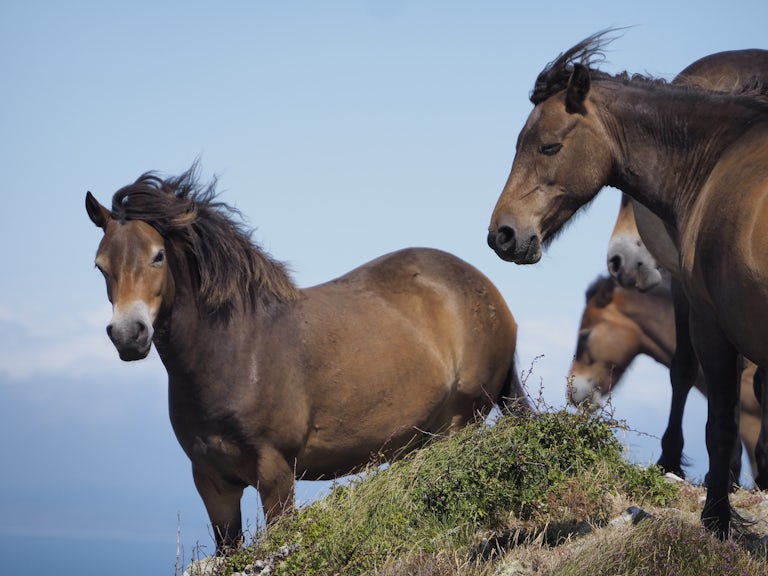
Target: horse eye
{"points": [[550, 149], [159, 257]]}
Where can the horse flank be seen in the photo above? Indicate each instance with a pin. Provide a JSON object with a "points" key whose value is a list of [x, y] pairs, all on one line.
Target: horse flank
{"points": [[231, 271]]}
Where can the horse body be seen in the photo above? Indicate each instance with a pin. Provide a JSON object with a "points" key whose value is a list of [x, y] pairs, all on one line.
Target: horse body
{"points": [[364, 365], [696, 158]]}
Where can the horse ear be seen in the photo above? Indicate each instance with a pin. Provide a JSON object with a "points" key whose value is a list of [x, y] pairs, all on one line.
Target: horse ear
{"points": [[578, 88], [96, 212], [604, 293]]}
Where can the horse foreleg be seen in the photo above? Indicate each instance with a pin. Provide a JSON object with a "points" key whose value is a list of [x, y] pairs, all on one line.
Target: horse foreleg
{"points": [[683, 372], [719, 362], [222, 501], [276, 480]]}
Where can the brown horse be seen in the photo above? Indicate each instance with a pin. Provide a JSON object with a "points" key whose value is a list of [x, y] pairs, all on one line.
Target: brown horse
{"points": [[699, 160], [618, 325], [635, 266], [268, 382]]}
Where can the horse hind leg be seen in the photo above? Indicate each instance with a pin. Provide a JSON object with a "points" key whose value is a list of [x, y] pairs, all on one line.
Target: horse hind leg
{"points": [[719, 362], [760, 384]]}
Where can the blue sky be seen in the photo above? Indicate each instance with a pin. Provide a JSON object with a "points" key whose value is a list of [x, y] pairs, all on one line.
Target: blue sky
{"points": [[341, 130]]}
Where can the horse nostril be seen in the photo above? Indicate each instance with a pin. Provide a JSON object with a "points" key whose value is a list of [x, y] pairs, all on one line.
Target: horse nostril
{"points": [[141, 331], [109, 331], [505, 238], [614, 263]]}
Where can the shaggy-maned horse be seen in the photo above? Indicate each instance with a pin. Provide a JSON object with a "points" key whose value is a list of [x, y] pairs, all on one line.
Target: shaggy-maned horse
{"points": [[268, 382], [699, 160], [617, 326]]}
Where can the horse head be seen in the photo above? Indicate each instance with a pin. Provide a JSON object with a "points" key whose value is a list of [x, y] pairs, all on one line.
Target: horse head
{"points": [[629, 261], [132, 258], [562, 160]]}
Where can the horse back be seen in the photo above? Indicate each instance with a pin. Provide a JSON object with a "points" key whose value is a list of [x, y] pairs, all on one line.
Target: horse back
{"points": [[728, 70]]}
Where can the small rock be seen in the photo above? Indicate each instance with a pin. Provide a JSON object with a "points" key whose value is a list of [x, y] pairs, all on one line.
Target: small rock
{"points": [[631, 515], [513, 568], [672, 477], [204, 567]]}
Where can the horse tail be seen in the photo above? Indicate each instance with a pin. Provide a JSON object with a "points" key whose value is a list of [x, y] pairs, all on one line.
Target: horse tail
{"points": [[512, 396]]}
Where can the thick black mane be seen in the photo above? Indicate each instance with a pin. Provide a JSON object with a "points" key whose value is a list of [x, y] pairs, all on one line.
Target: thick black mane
{"points": [[229, 267]]}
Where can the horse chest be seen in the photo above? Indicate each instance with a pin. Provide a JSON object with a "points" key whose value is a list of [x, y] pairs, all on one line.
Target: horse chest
{"points": [[216, 448]]}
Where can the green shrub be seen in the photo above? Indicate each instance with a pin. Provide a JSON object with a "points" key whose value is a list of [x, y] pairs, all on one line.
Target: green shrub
{"points": [[524, 466]]}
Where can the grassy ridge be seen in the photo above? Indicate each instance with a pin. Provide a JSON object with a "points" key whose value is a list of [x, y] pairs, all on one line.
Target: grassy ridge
{"points": [[520, 492]]}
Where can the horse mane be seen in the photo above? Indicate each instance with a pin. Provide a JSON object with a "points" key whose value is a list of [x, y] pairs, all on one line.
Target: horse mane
{"points": [[228, 267], [554, 78], [590, 51], [601, 290]]}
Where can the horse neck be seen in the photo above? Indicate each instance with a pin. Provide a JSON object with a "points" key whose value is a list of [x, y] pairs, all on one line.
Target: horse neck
{"points": [[667, 141], [189, 336], [653, 314]]}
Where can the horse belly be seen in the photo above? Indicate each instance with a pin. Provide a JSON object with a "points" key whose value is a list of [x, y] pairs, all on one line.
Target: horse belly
{"points": [[376, 421]]}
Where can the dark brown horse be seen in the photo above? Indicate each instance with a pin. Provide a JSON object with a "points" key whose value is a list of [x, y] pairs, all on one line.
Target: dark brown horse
{"points": [[617, 326], [699, 160], [635, 266], [268, 382]]}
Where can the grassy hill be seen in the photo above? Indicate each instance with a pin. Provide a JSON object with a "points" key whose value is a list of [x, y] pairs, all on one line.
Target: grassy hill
{"points": [[528, 494]]}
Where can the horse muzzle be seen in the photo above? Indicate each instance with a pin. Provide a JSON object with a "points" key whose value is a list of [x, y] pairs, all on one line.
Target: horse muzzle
{"points": [[632, 266], [509, 246], [131, 333], [583, 394]]}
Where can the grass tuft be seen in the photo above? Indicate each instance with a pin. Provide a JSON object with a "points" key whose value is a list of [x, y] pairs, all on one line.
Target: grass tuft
{"points": [[666, 546]]}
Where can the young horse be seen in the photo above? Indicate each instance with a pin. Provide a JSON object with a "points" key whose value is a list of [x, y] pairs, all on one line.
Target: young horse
{"points": [[266, 380], [618, 325], [697, 159]]}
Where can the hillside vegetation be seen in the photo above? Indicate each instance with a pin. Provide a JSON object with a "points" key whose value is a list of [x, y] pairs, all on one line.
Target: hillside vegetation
{"points": [[531, 493]]}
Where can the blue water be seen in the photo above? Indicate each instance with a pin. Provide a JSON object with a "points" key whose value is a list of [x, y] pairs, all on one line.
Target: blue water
{"points": [[67, 556]]}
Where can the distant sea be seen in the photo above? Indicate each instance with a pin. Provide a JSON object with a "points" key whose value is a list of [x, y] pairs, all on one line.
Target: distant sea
{"points": [[73, 556]]}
